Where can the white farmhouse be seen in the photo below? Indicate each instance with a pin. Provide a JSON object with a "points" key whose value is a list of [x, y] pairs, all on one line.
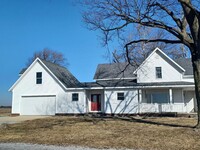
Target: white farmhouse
{"points": [[159, 84]]}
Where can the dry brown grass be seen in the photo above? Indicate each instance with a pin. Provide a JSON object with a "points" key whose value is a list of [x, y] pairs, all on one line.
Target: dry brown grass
{"points": [[5, 111], [152, 133]]}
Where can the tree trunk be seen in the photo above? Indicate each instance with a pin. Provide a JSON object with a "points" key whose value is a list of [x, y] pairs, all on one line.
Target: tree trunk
{"points": [[196, 70]]}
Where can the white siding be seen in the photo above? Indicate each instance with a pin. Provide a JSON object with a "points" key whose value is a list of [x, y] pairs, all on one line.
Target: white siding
{"points": [[128, 105], [147, 72], [189, 100], [28, 87], [67, 106]]}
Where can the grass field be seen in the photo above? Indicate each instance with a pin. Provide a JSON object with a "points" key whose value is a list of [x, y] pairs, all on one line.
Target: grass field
{"points": [[152, 133], [5, 111]]}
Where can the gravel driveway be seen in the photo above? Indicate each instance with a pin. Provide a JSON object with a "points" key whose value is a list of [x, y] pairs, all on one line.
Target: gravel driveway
{"points": [[23, 146]]}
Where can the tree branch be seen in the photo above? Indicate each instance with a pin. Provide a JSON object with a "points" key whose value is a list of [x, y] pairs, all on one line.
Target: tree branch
{"points": [[170, 13], [115, 28], [154, 24], [154, 40]]}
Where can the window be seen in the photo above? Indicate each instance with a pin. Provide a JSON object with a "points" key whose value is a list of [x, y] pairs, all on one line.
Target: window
{"points": [[75, 97], [120, 96], [158, 72], [39, 78], [157, 98]]}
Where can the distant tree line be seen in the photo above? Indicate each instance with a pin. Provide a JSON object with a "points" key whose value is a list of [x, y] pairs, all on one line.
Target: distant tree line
{"points": [[5, 106]]}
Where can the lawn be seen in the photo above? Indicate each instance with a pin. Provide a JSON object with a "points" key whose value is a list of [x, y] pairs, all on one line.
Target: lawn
{"points": [[152, 133]]}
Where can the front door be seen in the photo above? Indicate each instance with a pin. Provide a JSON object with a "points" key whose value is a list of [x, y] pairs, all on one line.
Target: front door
{"points": [[96, 102]]}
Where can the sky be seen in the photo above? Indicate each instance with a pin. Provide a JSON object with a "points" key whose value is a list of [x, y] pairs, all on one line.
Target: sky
{"points": [[27, 26]]}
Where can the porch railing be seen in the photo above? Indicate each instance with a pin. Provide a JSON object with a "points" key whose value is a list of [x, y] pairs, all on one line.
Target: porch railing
{"points": [[158, 108]]}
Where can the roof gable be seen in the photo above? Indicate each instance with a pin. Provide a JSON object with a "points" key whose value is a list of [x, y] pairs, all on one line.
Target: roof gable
{"points": [[160, 52], [61, 74], [116, 70]]}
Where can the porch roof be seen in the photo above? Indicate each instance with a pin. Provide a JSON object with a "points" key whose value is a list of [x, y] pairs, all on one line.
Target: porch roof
{"points": [[132, 83], [109, 83]]}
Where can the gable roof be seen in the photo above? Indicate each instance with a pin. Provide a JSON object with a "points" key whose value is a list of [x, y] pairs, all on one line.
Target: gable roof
{"points": [[114, 70], [61, 74], [186, 63], [162, 53]]}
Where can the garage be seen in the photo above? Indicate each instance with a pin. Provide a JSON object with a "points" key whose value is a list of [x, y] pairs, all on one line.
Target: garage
{"points": [[38, 105]]}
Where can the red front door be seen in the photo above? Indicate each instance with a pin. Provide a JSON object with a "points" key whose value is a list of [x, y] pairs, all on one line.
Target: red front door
{"points": [[95, 102]]}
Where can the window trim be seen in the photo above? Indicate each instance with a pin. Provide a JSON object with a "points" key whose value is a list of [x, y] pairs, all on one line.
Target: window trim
{"points": [[75, 97], [38, 78], [158, 72], [120, 97]]}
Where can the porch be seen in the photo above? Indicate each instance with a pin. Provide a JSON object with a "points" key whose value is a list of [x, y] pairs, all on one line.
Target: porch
{"points": [[181, 100]]}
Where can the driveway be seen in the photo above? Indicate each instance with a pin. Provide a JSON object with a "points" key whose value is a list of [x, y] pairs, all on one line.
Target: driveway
{"points": [[23, 146], [17, 119]]}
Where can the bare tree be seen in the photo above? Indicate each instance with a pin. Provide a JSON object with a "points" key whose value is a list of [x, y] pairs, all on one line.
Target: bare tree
{"points": [[49, 55], [178, 19], [138, 52]]}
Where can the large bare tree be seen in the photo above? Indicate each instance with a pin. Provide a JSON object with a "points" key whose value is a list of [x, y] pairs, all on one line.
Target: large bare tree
{"points": [[138, 52], [49, 55], [179, 19]]}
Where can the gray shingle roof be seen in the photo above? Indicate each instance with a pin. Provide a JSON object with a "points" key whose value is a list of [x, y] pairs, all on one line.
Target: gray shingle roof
{"points": [[131, 83], [186, 63], [63, 74], [114, 70], [22, 71], [109, 71]]}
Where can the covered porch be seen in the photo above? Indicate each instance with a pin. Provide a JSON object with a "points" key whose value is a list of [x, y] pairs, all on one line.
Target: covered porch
{"points": [[158, 100]]}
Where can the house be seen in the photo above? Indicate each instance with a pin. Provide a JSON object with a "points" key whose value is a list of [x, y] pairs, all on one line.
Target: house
{"points": [[159, 84]]}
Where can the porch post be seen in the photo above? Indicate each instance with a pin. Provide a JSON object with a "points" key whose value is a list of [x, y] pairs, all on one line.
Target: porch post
{"points": [[86, 105], [139, 99], [170, 99], [86, 102], [170, 96]]}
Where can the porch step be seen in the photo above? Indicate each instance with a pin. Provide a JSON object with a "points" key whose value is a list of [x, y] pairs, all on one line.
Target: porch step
{"points": [[95, 114]]}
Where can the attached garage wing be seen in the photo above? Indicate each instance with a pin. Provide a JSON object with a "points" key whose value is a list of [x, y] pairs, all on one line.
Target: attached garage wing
{"points": [[38, 105]]}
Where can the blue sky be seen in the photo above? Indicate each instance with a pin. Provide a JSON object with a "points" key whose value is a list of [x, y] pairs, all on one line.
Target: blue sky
{"points": [[27, 26]]}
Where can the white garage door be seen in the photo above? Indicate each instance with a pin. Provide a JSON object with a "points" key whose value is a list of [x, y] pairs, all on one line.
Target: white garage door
{"points": [[38, 105]]}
